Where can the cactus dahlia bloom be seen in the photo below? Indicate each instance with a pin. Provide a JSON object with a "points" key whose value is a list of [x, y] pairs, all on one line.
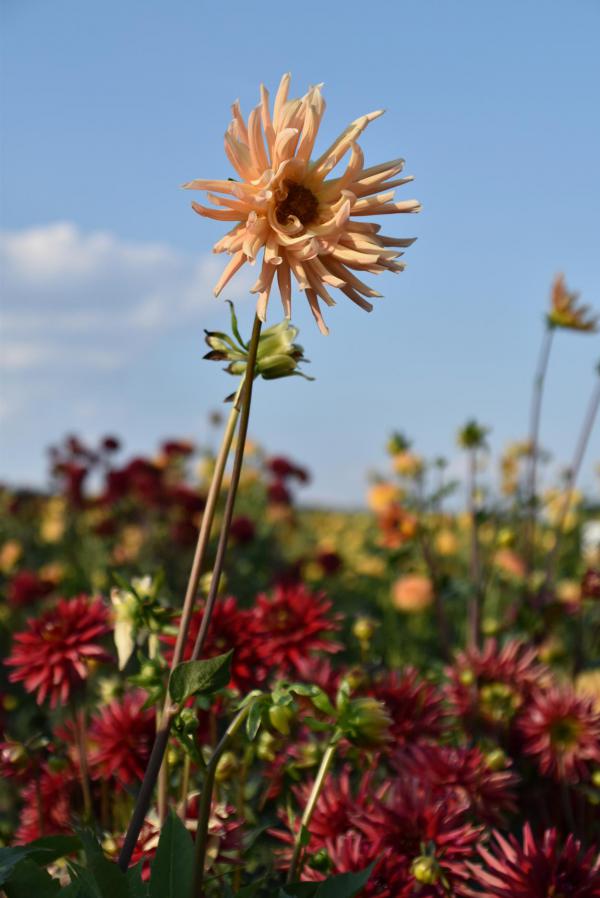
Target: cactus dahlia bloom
{"points": [[561, 730], [52, 655], [538, 869], [309, 226]]}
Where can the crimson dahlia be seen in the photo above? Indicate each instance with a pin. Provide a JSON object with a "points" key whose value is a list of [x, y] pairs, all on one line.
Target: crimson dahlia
{"points": [[51, 656], [538, 869], [121, 737]]}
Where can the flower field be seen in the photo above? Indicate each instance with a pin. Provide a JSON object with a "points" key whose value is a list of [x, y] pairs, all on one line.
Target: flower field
{"points": [[210, 688]]}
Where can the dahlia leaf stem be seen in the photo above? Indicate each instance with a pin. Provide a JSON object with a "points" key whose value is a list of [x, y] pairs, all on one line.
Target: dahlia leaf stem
{"points": [[238, 459], [573, 472], [162, 736], [206, 799], [476, 600], [534, 449], [326, 761]]}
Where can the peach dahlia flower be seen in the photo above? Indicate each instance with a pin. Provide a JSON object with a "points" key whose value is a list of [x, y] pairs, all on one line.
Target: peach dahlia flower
{"points": [[308, 225]]}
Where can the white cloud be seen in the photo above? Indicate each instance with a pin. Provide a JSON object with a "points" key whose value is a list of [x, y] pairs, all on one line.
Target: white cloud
{"points": [[75, 298]]}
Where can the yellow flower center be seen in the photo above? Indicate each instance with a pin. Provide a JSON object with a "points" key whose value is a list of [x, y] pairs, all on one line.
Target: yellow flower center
{"points": [[296, 200]]}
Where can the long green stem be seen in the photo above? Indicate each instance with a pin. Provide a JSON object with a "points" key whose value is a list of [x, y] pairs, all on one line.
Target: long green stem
{"points": [[162, 736], [206, 799], [534, 448], [236, 471], [476, 600], [326, 760], [584, 436], [84, 773]]}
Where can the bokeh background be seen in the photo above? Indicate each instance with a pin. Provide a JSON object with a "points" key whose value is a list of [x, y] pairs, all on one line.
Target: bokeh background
{"points": [[107, 274]]}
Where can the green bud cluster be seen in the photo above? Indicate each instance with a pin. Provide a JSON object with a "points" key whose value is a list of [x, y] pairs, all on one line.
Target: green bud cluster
{"points": [[277, 356], [472, 435]]}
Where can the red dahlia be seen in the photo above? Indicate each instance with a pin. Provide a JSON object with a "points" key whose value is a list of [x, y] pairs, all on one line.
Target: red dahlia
{"points": [[415, 706], [429, 840], [230, 628], [51, 656], [121, 737], [562, 731], [292, 623], [352, 853], [48, 805], [490, 684], [538, 869]]}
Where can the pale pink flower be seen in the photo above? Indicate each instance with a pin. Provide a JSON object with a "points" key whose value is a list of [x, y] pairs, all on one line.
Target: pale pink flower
{"points": [[308, 225]]}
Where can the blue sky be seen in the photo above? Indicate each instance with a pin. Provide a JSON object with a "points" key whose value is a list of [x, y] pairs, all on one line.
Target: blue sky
{"points": [[110, 106]]}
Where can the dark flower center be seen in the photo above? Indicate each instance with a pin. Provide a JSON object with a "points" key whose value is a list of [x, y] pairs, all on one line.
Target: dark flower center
{"points": [[298, 201]]}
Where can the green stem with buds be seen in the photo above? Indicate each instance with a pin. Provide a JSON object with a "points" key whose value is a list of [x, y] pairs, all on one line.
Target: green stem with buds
{"points": [[534, 438], [326, 761], [162, 737], [206, 799]]}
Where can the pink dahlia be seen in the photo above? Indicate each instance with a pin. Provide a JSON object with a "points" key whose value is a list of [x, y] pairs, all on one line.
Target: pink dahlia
{"points": [[415, 706], [538, 868], [292, 623], [121, 737], [283, 204], [561, 730], [51, 656], [491, 684]]}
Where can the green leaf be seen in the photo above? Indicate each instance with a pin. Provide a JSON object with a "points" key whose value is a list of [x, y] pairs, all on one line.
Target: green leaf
{"points": [[173, 866], [82, 885], [299, 890], [345, 885], [200, 677], [28, 879], [234, 325], [109, 878], [42, 851], [253, 721], [137, 887]]}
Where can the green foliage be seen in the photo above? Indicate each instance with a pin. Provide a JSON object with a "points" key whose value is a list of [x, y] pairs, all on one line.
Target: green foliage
{"points": [[172, 869], [200, 677], [41, 852]]}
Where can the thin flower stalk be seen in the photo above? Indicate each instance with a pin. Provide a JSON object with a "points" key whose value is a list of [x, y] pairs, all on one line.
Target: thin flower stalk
{"points": [[476, 600], [534, 436], [84, 773], [573, 473], [162, 736], [326, 761], [206, 798]]}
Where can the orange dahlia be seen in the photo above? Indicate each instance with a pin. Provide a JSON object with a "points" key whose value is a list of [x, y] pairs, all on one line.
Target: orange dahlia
{"points": [[307, 225]]}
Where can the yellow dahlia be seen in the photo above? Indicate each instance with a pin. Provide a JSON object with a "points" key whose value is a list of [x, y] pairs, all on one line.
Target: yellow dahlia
{"points": [[565, 311], [283, 203]]}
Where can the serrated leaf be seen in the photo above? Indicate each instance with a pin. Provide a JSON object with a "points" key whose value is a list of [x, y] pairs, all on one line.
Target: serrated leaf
{"points": [[345, 885], [109, 878], [28, 879], [200, 677], [41, 851], [253, 721], [137, 887], [173, 865]]}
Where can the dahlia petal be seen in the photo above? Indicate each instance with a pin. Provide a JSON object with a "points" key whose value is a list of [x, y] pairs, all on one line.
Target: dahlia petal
{"points": [[280, 98], [315, 309], [232, 267], [266, 119], [257, 147], [285, 288], [217, 214]]}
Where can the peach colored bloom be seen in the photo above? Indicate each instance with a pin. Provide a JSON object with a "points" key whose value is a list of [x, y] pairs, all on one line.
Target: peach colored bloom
{"points": [[412, 592], [307, 225]]}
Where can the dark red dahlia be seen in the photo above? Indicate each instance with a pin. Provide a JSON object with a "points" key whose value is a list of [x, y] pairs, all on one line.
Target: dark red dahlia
{"points": [[429, 839], [290, 624], [282, 468], [121, 737], [465, 776], [48, 805], [230, 628], [590, 584], [27, 587], [561, 730], [224, 836], [51, 656], [415, 706], [352, 853], [538, 869], [242, 530], [491, 684]]}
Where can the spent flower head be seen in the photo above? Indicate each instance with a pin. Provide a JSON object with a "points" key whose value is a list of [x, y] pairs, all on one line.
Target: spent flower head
{"points": [[277, 355], [565, 311], [285, 206]]}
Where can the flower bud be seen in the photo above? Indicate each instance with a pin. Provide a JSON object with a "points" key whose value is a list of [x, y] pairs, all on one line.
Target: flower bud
{"points": [[363, 629], [496, 760], [365, 722], [266, 746], [280, 717], [226, 768], [425, 870], [472, 435]]}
